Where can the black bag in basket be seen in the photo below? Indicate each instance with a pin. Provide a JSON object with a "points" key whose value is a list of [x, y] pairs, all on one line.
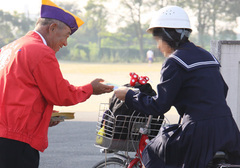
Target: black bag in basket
{"points": [[122, 114]]}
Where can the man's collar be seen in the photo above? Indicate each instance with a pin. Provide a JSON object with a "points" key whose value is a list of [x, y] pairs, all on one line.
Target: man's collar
{"points": [[44, 41]]}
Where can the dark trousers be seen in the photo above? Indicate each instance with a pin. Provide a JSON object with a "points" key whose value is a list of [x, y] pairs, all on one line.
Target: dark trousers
{"points": [[16, 154]]}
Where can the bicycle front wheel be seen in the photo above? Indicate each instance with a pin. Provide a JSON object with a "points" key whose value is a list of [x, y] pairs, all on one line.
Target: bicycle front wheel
{"points": [[111, 162]]}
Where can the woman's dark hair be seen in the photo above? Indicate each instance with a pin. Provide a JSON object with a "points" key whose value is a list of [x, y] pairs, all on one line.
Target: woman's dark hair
{"points": [[173, 37]]}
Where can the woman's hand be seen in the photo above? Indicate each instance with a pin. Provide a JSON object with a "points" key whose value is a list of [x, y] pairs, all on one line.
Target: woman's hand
{"points": [[121, 93]]}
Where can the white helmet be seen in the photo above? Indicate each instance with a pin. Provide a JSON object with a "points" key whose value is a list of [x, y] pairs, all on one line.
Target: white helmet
{"points": [[170, 17]]}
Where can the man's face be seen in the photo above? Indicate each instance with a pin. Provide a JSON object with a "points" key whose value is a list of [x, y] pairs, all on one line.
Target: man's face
{"points": [[58, 36]]}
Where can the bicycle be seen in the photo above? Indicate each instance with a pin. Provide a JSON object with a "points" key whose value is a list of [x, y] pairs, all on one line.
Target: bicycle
{"points": [[137, 136]]}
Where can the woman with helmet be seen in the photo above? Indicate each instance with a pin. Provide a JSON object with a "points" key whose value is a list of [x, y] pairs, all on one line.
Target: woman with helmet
{"points": [[191, 82]]}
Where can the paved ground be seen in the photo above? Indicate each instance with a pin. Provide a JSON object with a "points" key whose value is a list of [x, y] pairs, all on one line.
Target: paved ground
{"points": [[71, 145]]}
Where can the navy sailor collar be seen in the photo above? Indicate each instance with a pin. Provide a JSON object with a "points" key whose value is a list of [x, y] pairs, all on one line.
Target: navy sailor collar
{"points": [[191, 57]]}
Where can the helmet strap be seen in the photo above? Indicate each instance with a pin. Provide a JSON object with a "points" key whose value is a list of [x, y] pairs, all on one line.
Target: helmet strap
{"points": [[183, 32], [169, 36]]}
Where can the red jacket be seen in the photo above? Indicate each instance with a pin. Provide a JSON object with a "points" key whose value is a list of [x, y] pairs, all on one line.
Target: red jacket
{"points": [[30, 84]]}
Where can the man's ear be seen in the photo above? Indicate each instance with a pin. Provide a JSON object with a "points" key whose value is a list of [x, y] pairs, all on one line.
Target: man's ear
{"points": [[52, 27]]}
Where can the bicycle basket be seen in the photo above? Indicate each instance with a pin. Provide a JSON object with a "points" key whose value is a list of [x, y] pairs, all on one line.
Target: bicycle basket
{"points": [[121, 132]]}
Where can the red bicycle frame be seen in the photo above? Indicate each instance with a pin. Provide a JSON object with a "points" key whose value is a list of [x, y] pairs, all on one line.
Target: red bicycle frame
{"points": [[138, 157]]}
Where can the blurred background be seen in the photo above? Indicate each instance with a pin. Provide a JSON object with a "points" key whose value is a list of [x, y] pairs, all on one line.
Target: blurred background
{"points": [[115, 31]]}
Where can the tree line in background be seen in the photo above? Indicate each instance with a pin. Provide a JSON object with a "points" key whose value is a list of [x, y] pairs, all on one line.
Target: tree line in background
{"points": [[93, 42]]}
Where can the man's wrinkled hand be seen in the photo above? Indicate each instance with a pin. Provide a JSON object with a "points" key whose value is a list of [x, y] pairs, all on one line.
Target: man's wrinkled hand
{"points": [[100, 88], [53, 122]]}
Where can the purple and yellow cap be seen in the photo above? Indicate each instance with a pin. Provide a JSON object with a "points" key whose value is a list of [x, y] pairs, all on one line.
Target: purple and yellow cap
{"points": [[52, 11]]}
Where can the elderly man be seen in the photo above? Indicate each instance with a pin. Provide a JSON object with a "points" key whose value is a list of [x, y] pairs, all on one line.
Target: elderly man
{"points": [[31, 83]]}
